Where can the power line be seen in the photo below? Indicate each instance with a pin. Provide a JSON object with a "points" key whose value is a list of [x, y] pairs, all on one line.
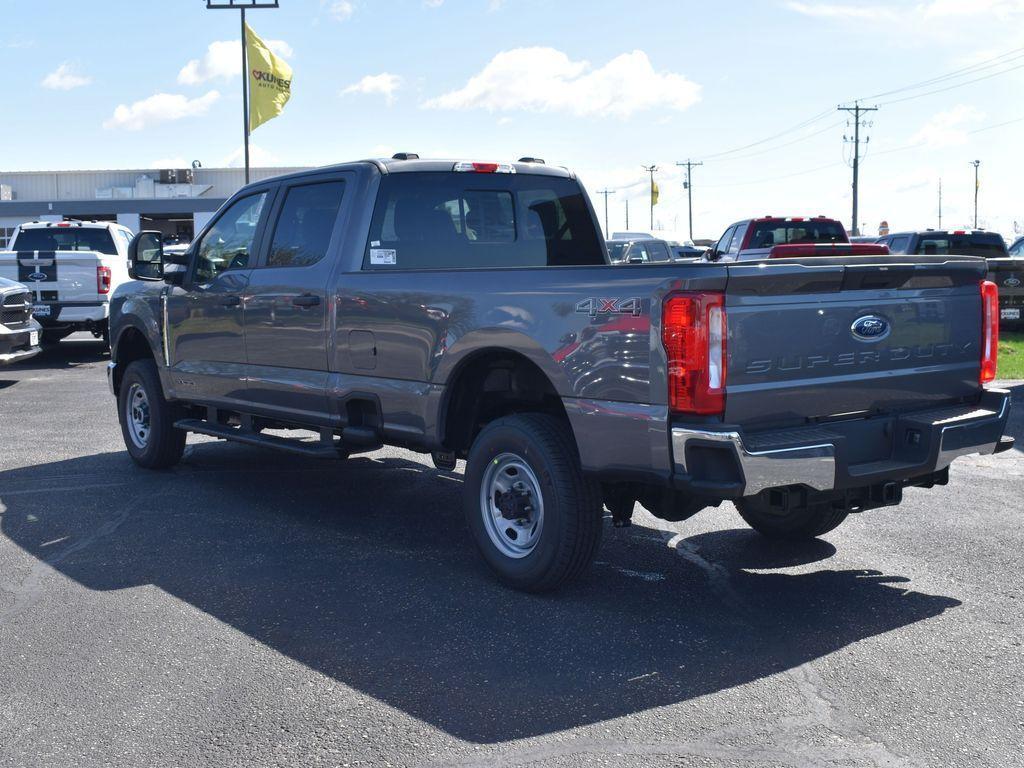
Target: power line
{"points": [[995, 61], [951, 87], [797, 127]]}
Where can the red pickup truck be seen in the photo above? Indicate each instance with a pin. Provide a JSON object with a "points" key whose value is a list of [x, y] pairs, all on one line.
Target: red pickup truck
{"points": [[777, 237]]}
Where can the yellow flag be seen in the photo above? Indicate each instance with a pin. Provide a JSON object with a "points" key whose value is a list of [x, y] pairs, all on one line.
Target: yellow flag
{"points": [[270, 81], [654, 192]]}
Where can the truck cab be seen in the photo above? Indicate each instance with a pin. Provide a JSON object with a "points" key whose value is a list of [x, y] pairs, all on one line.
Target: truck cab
{"points": [[776, 237], [1006, 270]]}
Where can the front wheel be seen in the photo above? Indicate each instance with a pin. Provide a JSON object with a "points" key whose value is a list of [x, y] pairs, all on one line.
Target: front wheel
{"points": [[534, 515], [147, 419], [797, 525]]}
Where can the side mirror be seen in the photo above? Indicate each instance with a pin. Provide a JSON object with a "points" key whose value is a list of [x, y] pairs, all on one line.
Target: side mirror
{"points": [[146, 257]]}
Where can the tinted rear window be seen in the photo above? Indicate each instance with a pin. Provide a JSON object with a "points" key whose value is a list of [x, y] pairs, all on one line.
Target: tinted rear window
{"points": [[767, 234], [65, 239], [463, 220], [980, 244]]}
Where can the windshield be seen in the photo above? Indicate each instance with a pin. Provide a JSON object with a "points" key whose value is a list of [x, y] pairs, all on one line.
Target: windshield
{"points": [[65, 239], [767, 234], [973, 244]]}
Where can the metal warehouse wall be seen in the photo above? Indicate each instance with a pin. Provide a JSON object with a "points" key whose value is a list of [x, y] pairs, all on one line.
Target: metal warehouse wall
{"points": [[82, 185]]}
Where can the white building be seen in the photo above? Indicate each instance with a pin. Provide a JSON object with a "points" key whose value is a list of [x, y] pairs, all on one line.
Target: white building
{"points": [[178, 202]]}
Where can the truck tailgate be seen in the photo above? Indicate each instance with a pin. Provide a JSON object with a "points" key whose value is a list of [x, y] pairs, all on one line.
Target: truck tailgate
{"points": [[860, 336], [65, 276]]}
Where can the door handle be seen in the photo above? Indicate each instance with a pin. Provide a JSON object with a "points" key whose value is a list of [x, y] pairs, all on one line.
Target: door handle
{"points": [[306, 300], [231, 301]]}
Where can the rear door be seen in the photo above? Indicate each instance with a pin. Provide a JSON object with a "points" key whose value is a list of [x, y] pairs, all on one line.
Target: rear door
{"points": [[287, 323], [205, 315]]}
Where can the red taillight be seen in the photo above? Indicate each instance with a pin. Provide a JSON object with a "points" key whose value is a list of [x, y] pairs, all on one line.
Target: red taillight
{"points": [[64, 224], [102, 280], [694, 334], [989, 331]]}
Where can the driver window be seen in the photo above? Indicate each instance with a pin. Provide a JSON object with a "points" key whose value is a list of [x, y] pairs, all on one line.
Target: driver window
{"points": [[228, 244]]}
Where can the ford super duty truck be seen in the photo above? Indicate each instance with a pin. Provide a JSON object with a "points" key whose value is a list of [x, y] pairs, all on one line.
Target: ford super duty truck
{"points": [[468, 310]]}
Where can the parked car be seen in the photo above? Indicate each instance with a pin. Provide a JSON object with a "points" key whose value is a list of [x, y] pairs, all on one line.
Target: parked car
{"points": [[19, 333], [1005, 271], [1017, 249], [71, 268], [646, 251], [686, 251], [774, 237], [468, 310]]}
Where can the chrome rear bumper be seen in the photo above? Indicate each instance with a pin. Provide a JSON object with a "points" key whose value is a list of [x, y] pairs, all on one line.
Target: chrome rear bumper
{"points": [[920, 443]]}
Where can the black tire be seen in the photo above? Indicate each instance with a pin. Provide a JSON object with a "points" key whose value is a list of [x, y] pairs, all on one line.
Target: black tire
{"points": [[808, 523], [572, 515], [163, 445]]}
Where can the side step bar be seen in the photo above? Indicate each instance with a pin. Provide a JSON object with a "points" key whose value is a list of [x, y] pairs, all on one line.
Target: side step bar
{"points": [[318, 450]]}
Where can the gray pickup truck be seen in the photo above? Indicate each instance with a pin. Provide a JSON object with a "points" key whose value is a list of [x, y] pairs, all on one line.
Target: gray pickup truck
{"points": [[468, 310]]}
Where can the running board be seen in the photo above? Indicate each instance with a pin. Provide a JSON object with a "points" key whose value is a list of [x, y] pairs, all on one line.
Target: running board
{"points": [[315, 450]]}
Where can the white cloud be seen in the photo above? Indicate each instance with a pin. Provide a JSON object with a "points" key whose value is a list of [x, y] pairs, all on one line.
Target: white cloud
{"points": [[384, 84], [842, 11], [64, 78], [547, 80], [933, 9], [258, 157], [341, 10], [433, 3], [947, 129], [223, 60], [159, 108]]}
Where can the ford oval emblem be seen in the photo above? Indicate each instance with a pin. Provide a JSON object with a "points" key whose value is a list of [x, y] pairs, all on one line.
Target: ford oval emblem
{"points": [[870, 328], [1012, 282], [37, 276]]}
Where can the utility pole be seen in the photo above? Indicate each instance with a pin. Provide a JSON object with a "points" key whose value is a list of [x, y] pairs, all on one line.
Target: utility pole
{"points": [[688, 186], [976, 163], [606, 192], [651, 169], [856, 110], [940, 202], [627, 214], [242, 5]]}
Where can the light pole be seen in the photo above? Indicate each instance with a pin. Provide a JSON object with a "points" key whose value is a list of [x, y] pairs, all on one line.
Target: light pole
{"points": [[242, 5], [688, 185], [976, 163]]}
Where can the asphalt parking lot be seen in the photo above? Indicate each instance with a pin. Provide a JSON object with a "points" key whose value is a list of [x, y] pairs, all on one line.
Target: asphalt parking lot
{"points": [[252, 608]]}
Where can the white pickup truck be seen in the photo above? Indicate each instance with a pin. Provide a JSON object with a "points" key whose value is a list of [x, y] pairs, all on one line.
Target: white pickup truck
{"points": [[72, 268]]}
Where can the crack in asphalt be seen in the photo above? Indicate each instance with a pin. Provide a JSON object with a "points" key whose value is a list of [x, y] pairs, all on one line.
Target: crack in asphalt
{"points": [[792, 747]]}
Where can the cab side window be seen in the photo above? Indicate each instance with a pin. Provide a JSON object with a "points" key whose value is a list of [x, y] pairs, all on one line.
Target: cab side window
{"points": [[722, 247], [229, 242], [737, 240], [898, 244], [304, 227]]}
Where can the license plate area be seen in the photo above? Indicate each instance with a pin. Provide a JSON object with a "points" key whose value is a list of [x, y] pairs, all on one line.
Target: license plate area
{"points": [[41, 310], [1009, 313]]}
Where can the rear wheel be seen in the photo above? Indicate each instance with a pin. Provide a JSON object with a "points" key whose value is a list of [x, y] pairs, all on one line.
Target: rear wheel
{"points": [[797, 525], [534, 515], [147, 419]]}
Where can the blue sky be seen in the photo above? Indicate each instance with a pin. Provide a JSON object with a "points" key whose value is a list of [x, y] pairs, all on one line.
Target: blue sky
{"points": [[600, 86]]}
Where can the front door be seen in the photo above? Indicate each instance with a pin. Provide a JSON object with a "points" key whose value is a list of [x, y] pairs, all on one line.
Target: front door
{"points": [[287, 322], [205, 316]]}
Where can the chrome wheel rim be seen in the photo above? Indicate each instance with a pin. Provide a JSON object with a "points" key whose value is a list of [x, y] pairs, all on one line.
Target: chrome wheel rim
{"points": [[512, 506], [137, 416]]}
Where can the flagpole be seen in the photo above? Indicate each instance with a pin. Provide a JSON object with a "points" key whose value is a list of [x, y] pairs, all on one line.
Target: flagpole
{"points": [[245, 98]]}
